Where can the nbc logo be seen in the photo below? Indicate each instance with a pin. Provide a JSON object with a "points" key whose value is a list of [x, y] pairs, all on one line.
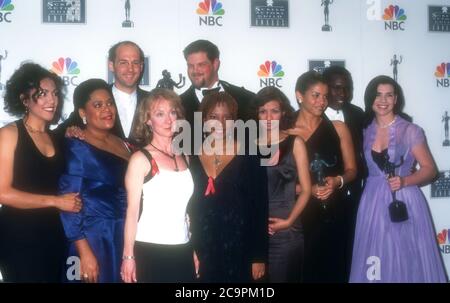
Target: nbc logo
{"points": [[210, 13], [442, 74], [270, 74], [67, 69], [444, 241], [394, 18], [5, 10]]}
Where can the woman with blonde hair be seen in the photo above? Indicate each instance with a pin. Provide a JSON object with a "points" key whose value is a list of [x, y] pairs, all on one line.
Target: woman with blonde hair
{"points": [[157, 247]]}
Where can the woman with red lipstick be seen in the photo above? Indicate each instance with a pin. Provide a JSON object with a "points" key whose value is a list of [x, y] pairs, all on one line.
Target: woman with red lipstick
{"points": [[32, 239], [332, 164], [95, 167], [394, 241]]}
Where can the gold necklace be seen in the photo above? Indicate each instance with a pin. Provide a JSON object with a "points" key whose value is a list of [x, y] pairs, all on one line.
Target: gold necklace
{"points": [[217, 161], [33, 130]]}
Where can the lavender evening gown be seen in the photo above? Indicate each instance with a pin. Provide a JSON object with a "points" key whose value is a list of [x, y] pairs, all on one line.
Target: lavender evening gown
{"points": [[384, 251]]}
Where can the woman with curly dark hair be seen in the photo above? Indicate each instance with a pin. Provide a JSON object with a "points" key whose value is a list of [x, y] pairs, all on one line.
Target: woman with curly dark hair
{"points": [[31, 234]]}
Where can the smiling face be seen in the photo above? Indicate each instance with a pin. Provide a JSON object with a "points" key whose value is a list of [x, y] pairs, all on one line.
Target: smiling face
{"points": [[385, 100], [100, 110], [42, 103], [314, 100], [127, 68], [201, 71], [163, 116], [339, 91]]}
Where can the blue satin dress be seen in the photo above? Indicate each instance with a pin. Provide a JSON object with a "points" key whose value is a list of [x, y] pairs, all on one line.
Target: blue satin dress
{"points": [[99, 178]]}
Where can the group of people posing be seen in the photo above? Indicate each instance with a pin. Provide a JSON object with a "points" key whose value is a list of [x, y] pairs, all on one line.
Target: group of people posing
{"points": [[107, 195]]}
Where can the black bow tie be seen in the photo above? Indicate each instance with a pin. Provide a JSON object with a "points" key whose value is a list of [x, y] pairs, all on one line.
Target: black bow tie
{"points": [[206, 92]]}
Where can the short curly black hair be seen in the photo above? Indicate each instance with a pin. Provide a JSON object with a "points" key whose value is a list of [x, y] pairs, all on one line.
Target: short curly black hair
{"points": [[25, 79]]}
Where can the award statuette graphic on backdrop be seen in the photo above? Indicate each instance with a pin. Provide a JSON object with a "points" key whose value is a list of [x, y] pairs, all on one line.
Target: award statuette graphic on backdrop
{"points": [[127, 22], [445, 119], [270, 13], [2, 58], [326, 12], [441, 187], [317, 167], [64, 11], [167, 81], [394, 63], [439, 19], [320, 65]]}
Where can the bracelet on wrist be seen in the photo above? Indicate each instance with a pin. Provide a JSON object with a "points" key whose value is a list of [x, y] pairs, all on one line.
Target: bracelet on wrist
{"points": [[128, 258]]}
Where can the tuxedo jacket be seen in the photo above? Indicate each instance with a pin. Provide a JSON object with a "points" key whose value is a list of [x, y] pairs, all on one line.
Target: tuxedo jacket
{"points": [[74, 120], [354, 119], [191, 104]]}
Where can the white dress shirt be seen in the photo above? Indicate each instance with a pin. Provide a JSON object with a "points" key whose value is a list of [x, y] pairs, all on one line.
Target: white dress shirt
{"points": [[126, 106], [199, 92], [333, 114]]}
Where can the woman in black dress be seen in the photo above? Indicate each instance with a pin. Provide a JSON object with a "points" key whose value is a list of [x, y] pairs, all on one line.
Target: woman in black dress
{"points": [[332, 164], [286, 165], [228, 210], [31, 235]]}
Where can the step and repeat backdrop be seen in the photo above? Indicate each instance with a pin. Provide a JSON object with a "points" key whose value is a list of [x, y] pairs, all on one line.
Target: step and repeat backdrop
{"points": [[261, 42]]}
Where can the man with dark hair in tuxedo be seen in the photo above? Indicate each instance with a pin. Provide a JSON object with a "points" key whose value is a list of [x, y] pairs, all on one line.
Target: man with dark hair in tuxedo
{"points": [[340, 95], [203, 62]]}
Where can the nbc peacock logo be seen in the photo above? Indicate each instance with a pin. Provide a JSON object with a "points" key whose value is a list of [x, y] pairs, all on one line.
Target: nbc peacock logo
{"points": [[210, 13], [6, 7], [67, 69], [442, 75], [394, 18], [270, 74], [444, 241]]}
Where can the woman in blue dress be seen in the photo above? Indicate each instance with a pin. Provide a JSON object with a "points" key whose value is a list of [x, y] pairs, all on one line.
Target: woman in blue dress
{"points": [[95, 167]]}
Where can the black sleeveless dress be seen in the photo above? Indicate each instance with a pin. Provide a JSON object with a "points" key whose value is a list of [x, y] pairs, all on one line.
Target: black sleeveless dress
{"points": [[286, 246], [229, 223], [325, 231], [32, 241]]}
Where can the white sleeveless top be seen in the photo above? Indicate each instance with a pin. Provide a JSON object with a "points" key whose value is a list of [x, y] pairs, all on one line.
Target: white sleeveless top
{"points": [[165, 198]]}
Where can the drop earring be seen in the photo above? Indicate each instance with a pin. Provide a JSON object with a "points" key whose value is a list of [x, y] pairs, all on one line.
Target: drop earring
{"points": [[84, 120]]}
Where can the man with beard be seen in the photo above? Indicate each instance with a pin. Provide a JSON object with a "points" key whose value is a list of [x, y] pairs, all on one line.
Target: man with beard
{"points": [[202, 58]]}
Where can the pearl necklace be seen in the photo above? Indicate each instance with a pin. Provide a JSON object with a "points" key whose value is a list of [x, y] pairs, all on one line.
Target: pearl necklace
{"points": [[387, 125]]}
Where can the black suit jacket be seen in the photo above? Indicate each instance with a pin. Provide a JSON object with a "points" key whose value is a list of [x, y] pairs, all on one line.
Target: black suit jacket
{"points": [[242, 96], [354, 119], [74, 120]]}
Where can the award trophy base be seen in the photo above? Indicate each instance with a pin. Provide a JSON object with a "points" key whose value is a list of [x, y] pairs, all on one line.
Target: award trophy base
{"points": [[127, 23], [325, 215], [446, 143], [398, 211], [326, 28]]}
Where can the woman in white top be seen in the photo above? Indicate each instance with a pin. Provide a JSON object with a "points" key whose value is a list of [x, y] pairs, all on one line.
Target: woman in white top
{"points": [[157, 247]]}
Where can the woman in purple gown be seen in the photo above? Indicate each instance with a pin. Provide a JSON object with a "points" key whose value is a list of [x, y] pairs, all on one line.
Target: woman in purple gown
{"points": [[394, 244]]}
